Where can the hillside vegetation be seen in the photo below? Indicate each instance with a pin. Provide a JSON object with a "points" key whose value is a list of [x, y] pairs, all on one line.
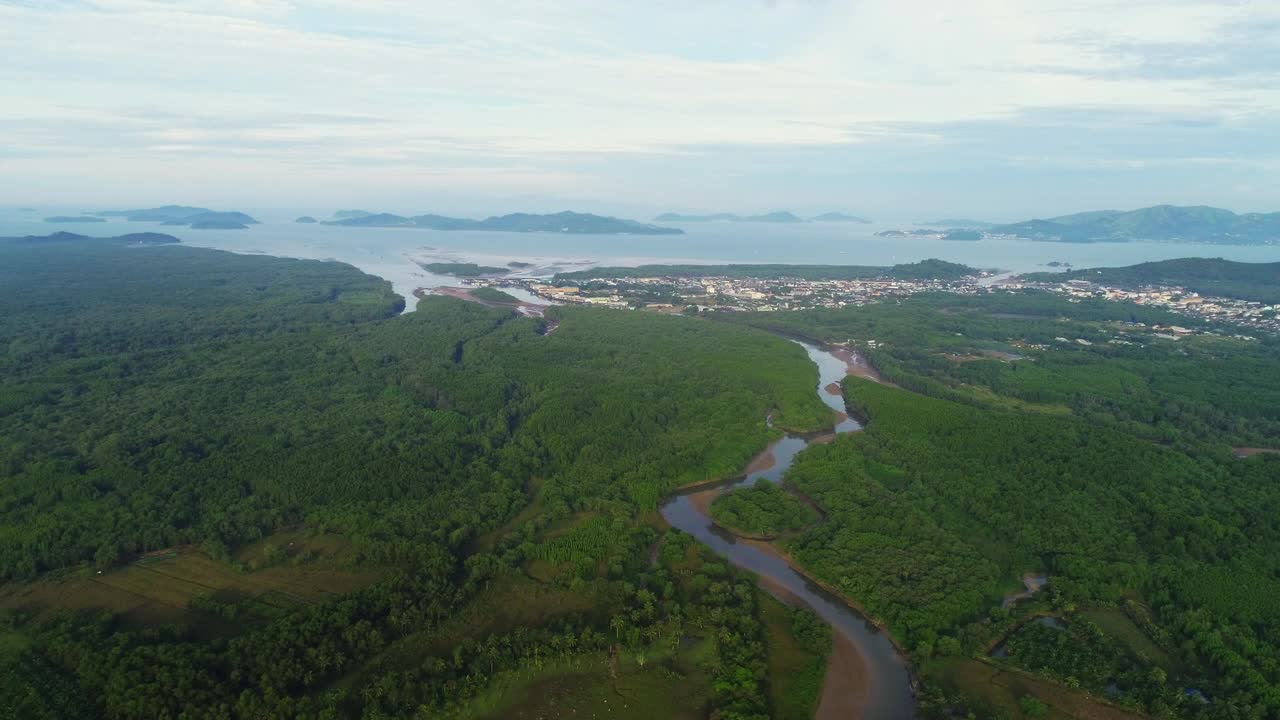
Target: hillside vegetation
{"points": [[1161, 222]]}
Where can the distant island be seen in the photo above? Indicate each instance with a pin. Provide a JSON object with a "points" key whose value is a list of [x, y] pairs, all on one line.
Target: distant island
{"points": [[563, 222], [1168, 223], [306, 219], [346, 214], [1207, 276], [781, 216], [129, 239], [74, 219], [931, 269], [196, 218], [465, 270], [1161, 223]]}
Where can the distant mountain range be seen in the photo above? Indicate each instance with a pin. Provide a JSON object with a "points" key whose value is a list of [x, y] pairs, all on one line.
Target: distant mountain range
{"points": [[1207, 276], [563, 222], [129, 239], [1162, 222], [197, 218], [781, 216]]}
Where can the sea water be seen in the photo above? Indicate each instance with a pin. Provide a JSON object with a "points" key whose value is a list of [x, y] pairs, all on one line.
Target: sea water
{"points": [[391, 253]]}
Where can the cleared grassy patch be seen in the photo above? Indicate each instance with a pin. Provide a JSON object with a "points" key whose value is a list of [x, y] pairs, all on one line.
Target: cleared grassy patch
{"points": [[795, 673], [1117, 624], [1001, 690], [597, 686], [512, 601], [158, 588]]}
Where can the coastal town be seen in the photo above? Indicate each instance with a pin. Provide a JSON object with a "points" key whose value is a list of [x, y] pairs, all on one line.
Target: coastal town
{"points": [[675, 294], [1249, 314], [740, 294]]}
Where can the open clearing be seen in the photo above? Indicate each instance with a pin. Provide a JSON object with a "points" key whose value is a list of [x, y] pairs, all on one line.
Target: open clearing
{"points": [[157, 588], [1001, 690]]}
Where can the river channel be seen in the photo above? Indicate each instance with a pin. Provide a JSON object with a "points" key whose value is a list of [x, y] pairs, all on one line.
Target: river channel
{"points": [[867, 677]]}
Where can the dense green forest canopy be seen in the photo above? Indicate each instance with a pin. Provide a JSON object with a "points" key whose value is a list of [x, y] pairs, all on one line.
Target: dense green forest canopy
{"points": [[763, 510], [191, 396], [937, 506], [924, 270], [1029, 350], [502, 482], [162, 397], [1207, 276], [1033, 433]]}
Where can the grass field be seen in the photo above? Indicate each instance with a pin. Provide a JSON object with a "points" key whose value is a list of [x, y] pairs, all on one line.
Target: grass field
{"points": [[1000, 690], [157, 588], [1117, 624], [795, 674], [512, 601], [595, 686]]}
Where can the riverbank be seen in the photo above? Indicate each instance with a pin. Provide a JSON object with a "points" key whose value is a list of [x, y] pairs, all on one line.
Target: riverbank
{"points": [[869, 675]]}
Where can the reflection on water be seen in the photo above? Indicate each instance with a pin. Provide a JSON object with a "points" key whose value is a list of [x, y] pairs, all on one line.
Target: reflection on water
{"points": [[888, 685]]}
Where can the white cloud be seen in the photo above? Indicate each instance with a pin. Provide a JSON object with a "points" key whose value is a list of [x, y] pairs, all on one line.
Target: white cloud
{"points": [[482, 83]]}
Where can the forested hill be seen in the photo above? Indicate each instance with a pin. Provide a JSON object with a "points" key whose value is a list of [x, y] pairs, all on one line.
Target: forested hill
{"points": [[931, 269], [1207, 276], [195, 217], [69, 237], [1161, 222]]}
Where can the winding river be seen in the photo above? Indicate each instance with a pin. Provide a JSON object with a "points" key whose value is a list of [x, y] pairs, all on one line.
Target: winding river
{"points": [[866, 676]]}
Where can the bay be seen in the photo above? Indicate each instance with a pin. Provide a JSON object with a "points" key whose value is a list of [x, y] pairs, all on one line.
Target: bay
{"points": [[390, 252]]}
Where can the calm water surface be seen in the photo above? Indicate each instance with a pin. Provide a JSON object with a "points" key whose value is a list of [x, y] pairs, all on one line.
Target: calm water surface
{"points": [[389, 252]]}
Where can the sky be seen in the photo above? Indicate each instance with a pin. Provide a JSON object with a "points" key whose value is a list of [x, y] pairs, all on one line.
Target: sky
{"points": [[996, 109]]}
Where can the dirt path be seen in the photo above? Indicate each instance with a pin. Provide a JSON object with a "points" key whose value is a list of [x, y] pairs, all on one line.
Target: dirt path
{"points": [[1247, 452]]}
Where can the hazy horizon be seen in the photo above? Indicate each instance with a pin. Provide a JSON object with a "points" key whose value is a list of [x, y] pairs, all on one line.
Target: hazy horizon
{"points": [[891, 110]]}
